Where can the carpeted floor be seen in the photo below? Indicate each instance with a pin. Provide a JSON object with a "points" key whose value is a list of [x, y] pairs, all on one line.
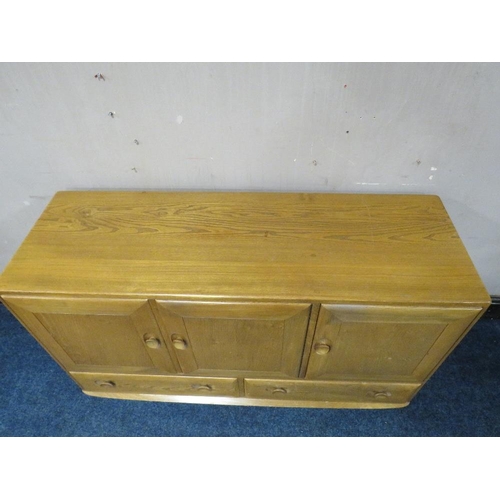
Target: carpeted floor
{"points": [[38, 399]]}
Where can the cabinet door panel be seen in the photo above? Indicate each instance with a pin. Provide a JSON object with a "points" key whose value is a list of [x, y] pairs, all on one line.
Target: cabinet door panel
{"points": [[95, 332], [382, 342], [236, 337]]}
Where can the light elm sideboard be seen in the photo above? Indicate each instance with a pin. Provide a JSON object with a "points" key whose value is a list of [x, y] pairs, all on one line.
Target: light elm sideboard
{"points": [[276, 299]]}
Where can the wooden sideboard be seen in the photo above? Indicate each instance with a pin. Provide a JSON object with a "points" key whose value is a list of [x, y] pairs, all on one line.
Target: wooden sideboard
{"points": [[275, 299]]}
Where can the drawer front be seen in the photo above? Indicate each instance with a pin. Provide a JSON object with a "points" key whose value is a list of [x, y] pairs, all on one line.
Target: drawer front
{"points": [[157, 384], [303, 390]]}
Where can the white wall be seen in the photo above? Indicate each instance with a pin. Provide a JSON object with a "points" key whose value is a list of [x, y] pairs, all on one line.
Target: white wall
{"points": [[334, 127]]}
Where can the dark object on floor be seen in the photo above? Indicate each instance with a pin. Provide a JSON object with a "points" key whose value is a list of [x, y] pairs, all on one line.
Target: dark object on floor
{"points": [[493, 312]]}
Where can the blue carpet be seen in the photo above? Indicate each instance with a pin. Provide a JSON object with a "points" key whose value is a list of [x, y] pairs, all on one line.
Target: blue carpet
{"points": [[38, 399]]}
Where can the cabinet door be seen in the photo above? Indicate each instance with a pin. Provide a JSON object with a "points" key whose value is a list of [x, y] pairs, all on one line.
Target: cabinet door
{"points": [[90, 333], [379, 342], [235, 337]]}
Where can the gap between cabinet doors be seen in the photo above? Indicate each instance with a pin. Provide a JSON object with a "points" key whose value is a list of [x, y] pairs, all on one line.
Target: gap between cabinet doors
{"points": [[306, 347]]}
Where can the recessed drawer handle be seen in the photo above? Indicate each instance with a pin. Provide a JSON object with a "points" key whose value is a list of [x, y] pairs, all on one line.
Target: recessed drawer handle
{"points": [[152, 342], [279, 390], [105, 383], [322, 348], [382, 395], [179, 342], [201, 387]]}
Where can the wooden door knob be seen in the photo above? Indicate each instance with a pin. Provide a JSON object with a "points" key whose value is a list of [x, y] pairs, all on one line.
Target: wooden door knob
{"points": [[321, 348], [179, 342], [279, 390], [152, 342], [105, 383]]}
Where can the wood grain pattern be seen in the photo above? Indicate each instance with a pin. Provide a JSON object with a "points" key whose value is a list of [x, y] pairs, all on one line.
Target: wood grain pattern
{"points": [[157, 384], [292, 247], [244, 401], [361, 392], [225, 391], [86, 332], [233, 298], [378, 342], [236, 337]]}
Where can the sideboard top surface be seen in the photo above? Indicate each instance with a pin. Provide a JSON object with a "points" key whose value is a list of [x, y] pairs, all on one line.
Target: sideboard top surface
{"points": [[367, 248]]}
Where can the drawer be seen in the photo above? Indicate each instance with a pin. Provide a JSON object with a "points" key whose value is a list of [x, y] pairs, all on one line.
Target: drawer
{"points": [[156, 384], [336, 391]]}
